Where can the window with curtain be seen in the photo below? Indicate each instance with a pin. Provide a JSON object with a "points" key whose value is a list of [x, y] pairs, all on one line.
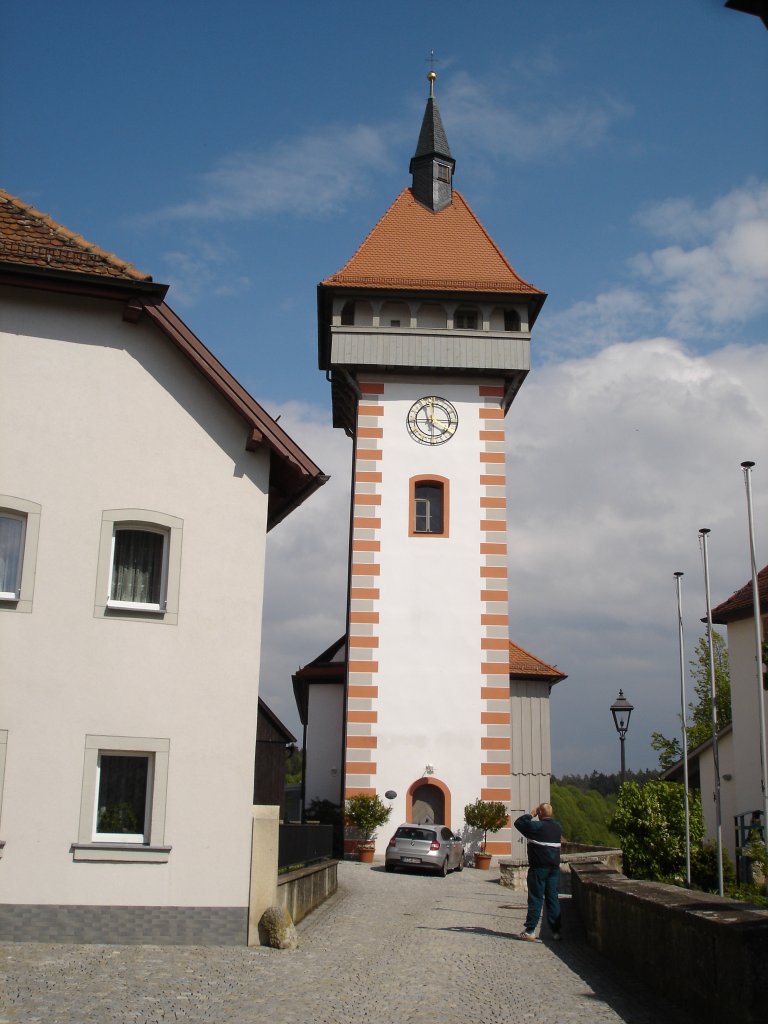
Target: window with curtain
{"points": [[11, 555], [428, 507], [138, 568], [121, 802]]}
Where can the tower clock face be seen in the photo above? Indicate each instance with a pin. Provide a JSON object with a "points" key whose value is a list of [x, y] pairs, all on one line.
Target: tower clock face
{"points": [[432, 420]]}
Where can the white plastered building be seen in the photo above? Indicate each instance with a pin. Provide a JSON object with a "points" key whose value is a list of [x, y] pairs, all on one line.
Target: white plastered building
{"points": [[137, 484]]}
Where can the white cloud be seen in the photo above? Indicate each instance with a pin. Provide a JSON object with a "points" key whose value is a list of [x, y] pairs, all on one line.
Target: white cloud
{"points": [[305, 586], [491, 118], [722, 280], [616, 459], [718, 282], [309, 176], [201, 268]]}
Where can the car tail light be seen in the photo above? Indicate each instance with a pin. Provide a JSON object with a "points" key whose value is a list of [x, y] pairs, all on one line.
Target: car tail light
{"points": [[392, 842], [435, 844]]}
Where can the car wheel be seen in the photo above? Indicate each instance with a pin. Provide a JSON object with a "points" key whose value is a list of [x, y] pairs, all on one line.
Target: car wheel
{"points": [[460, 865], [444, 868]]}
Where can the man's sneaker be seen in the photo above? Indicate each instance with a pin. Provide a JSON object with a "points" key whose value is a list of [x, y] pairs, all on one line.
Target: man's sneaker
{"points": [[528, 936]]}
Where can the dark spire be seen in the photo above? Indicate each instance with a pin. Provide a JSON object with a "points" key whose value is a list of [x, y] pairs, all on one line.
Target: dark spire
{"points": [[432, 164]]}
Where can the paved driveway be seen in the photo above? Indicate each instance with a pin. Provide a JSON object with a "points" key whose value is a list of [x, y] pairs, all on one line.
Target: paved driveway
{"points": [[388, 949]]}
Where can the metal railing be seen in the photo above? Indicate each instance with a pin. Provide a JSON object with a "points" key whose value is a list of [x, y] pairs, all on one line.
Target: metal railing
{"points": [[299, 845]]}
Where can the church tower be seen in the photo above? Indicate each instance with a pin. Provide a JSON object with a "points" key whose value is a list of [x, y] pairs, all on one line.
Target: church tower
{"points": [[425, 337]]}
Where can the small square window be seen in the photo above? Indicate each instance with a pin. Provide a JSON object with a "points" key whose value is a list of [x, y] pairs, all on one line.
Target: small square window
{"points": [[443, 172], [12, 533], [123, 796]]}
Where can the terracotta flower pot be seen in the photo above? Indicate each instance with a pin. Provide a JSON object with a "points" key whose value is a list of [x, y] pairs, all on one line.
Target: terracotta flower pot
{"points": [[483, 861], [365, 853]]}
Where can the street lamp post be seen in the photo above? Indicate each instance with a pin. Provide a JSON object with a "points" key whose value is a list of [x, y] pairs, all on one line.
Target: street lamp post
{"points": [[621, 709]]}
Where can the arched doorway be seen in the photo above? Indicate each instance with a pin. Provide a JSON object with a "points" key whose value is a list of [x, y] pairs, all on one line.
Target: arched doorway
{"points": [[428, 802], [428, 806]]}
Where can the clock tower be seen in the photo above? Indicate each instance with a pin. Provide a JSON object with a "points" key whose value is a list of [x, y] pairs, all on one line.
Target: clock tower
{"points": [[425, 338]]}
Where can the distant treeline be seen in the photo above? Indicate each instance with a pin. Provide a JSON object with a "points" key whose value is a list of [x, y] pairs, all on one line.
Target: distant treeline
{"points": [[585, 804], [607, 785]]}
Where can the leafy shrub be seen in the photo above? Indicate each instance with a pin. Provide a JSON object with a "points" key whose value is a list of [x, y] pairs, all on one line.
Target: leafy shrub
{"points": [[650, 823]]}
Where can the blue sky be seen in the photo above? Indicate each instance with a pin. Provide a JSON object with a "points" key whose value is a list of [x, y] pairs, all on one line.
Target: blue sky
{"points": [[615, 152]]}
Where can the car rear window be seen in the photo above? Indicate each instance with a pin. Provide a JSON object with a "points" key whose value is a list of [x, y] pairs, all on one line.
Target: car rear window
{"points": [[415, 833]]}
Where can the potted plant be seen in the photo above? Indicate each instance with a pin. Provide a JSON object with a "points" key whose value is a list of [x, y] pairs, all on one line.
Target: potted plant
{"points": [[487, 816], [365, 814]]}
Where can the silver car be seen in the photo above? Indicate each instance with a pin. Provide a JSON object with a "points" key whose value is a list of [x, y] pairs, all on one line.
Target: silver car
{"points": [[425, 846]]}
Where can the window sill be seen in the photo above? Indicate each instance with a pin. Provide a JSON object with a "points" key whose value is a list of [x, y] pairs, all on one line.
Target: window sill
{"points": [[121, 852], [136, 606]]}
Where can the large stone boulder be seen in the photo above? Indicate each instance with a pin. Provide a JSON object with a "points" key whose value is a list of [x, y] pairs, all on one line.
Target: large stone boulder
{"points": [[278, 929]]}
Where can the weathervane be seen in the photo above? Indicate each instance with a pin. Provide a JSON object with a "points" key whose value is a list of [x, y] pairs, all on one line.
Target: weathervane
{"points": [[432, 74]]}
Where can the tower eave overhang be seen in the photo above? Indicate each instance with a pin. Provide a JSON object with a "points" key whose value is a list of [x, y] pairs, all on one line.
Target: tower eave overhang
{"points": [[464, 291]]}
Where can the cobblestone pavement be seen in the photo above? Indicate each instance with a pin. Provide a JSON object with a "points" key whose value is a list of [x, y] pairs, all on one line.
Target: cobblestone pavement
{"points": [[389, 948]]}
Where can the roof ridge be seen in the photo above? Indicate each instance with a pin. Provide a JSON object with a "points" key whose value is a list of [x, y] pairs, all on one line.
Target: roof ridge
{"points": [[68, 236]]}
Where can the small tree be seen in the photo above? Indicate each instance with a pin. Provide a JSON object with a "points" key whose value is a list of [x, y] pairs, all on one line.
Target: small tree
{"points": [[487, 815], [650, 823], [670, 750], [366, 813]]}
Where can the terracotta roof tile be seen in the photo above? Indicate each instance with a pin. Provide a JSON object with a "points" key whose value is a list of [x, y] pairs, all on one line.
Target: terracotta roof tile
{"points": [[31, 238], [524, 665], [740, 605], [412, 247]]}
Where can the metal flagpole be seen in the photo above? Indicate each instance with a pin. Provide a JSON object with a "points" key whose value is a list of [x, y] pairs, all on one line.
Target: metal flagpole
{"points": [[684, 720], [747, 467], [703, 533]]}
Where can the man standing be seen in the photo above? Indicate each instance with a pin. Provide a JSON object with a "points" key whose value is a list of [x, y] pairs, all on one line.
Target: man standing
{"points": [[543, 838]]}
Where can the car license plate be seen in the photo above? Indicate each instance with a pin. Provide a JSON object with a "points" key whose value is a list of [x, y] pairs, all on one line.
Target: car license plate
{"points": [[411, 860]]}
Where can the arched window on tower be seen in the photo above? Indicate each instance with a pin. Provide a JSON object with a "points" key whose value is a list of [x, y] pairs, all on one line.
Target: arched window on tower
{"points": [[428, 507], [348, 314], [511, 320], [465, 319]]}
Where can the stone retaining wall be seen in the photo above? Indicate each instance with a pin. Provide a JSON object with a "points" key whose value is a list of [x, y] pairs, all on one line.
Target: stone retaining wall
{"points": [[705, 952], [513, 875], [301, 891]]}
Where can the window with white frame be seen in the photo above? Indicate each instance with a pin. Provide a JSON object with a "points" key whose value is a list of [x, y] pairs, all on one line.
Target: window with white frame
{"points": [[139, 566], [122, 806], [19, 532], [123, 797], [12, 531]]}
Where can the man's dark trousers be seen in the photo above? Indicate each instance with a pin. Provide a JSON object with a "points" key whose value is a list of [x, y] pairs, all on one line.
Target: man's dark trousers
{"points": [[542, 886]]}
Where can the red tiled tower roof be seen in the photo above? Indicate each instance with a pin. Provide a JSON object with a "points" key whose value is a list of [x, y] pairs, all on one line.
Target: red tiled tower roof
{"points": [[413, 247], [524, 665], [31, 238]]}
